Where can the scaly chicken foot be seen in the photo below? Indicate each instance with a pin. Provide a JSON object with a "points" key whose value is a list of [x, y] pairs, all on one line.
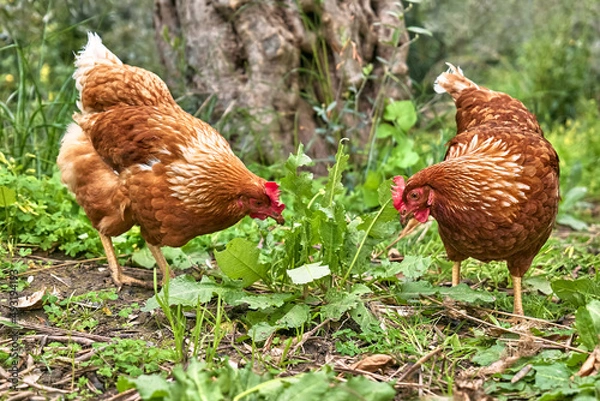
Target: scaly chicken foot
{"points": [[161, 262], [455, 274], [518, 305], [116, 271]]}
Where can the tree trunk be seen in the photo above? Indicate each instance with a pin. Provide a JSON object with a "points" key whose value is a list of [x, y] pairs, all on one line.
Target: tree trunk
{"points": [[286, 72]]}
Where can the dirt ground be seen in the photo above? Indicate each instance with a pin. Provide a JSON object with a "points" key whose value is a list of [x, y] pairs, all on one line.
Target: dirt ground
{"points": [[65, 278], [53, 379]]}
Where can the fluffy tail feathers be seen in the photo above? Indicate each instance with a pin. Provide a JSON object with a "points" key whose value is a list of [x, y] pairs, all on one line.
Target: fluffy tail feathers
{"points": [[104, 82], [453, 82], [93, 53]]}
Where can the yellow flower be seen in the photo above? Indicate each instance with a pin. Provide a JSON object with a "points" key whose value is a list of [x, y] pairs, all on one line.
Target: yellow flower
{"points": [[9, 78], [45, 73]]}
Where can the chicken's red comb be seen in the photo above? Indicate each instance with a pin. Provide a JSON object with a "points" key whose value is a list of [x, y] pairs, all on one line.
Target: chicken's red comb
{"points": [[272, 191], [397, 191]]}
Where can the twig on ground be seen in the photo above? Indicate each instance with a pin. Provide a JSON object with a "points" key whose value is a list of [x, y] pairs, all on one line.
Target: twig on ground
{"points": [[59, 332], [122, 395], [420, 362], [61, 339], [534, 319], [54, 276], [45, 388], [371, 375], [307, 335], [24, 395], [59, 265], [518, 333]]}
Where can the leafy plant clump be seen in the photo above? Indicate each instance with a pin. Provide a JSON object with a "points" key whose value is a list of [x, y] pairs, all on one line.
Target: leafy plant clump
{"points": [[226, 383]]}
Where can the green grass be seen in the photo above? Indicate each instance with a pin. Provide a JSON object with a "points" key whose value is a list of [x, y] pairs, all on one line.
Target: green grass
{"points": [[360, 296]]}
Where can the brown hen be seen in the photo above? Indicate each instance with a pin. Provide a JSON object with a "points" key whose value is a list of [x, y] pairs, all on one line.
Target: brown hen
{"points": [[133, 156], [495, 195]]}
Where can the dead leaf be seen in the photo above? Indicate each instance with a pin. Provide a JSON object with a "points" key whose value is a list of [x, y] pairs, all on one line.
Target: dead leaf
{"points": [[470, 390], [591, 366], [33, 301], [373, 363]]}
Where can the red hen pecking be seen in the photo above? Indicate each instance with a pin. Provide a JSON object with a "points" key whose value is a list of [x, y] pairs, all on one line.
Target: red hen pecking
{"points": [[495, 195], [133, 156]]}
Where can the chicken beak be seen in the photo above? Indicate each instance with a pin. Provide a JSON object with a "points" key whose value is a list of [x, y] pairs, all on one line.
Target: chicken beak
{"points": [[278, 218], [403, 220], [405, 216]]}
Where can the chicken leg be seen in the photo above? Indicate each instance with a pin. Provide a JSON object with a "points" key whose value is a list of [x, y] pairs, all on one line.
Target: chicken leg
{"points": [[116, 271], [161, 262], [455, 274], [518, 305]]}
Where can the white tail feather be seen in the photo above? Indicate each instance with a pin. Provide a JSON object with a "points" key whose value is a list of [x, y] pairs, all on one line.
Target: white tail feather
{"points": [[93, 53], [443, 82]]}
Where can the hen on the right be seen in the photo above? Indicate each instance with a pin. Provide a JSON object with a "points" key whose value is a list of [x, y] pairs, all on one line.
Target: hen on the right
{"points": [[495, 196]]}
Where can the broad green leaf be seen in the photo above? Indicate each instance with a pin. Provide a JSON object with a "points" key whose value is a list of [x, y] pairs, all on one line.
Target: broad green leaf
{"points": [[487, 356], [143, 257], [197, 383], [260, 301], [332, 232], [384, 192], [308, 273], [539, 283], [295, 317], [239, 260], [386, 269], [403, 113], [385, 130], [298, 184], [587, 322], [573, 196], [370, 390], [414, 266], [363, 316], [177, 257], [571, 221], [151, 387], [185, 291], [464, 293], [8, 196], [298, 160], [308, 387], [548, 377], [339, 302], [414, 289], [576, 292], [403, 156], [369, 189], [124, 383], [261, 331], [566, 393]]}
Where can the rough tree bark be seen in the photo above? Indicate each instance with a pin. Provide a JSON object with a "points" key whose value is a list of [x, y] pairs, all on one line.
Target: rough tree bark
{"points": [[280, 60]]}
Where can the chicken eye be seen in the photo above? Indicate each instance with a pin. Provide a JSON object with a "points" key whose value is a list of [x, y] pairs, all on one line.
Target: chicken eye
{"points": [[414, 195]]}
